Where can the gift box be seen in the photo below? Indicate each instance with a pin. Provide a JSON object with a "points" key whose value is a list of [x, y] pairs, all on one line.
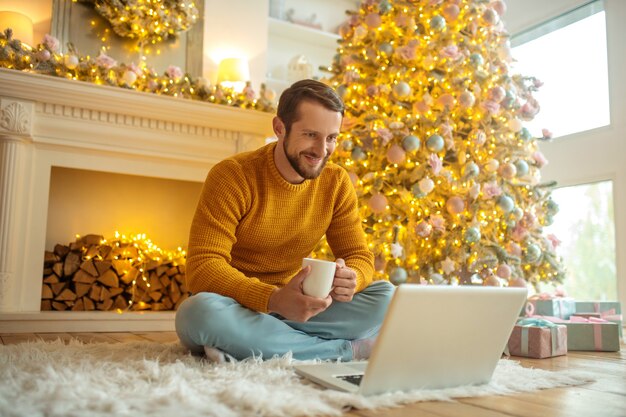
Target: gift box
{"points": [[538, 338], [607, 310], [561, 307], [590, 333]]}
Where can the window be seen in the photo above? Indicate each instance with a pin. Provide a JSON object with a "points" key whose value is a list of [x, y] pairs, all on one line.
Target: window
{"points": [[585, 227], [569, 55]]}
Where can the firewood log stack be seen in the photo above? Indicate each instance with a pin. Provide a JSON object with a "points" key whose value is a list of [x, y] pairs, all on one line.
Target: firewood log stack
{"points": [[94, 274]]}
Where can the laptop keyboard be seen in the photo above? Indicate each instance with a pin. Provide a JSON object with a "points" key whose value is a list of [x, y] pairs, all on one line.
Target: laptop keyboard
{"points": [[353, 379]]}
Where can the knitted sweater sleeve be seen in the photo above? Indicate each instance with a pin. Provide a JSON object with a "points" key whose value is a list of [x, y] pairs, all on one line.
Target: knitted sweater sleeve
{"points": [[223, 203], [345, 234]]}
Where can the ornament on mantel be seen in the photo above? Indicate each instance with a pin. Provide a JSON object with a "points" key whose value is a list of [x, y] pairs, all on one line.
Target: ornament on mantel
{"points": [[299, 68]]}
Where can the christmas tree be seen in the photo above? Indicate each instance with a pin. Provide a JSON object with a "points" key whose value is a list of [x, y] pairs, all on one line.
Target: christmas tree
{"points": [[447, 176]]}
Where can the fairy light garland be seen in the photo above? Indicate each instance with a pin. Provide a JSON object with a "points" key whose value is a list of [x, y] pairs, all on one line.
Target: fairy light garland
{"points": [[46, 59]]}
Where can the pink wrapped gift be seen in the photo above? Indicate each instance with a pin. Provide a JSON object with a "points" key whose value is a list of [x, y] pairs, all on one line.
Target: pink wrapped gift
{"points": [[538, 338]]}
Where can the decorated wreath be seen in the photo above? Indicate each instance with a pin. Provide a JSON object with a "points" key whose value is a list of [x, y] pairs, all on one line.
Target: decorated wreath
{"points": [[148, 21]]}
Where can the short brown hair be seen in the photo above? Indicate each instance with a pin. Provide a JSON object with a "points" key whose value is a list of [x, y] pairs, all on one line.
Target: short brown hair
{"points": [[306, 90]]}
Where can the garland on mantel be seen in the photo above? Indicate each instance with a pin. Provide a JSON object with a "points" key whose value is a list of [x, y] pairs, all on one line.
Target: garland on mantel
{"points": [[46, 59]]}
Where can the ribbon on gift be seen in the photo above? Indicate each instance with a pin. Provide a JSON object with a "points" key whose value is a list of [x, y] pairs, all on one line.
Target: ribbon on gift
{"points": [[536, 322], [610, 315], [594, 321]]}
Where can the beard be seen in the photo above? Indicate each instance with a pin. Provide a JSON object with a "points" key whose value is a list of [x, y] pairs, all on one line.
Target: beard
{"points": [[299, 164]]}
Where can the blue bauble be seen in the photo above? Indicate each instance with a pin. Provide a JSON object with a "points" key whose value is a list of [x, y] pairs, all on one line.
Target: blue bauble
{"points": [[517, 213], [342, 90], [384, 7], [358, 154], [522, 167], [437, 22], [435, 143], [385, 48], [472, 235], [552, 207], [436, 278], [398, 276], [415, 189], [548, 220], [532, 253], [525, 134], [410, 143], [476, 59], [509, 100], [347, 145], [506, 203], [470, 170]]}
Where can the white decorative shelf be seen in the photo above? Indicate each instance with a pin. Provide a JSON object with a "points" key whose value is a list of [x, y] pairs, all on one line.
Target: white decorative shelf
{"points": [[300, 33]]}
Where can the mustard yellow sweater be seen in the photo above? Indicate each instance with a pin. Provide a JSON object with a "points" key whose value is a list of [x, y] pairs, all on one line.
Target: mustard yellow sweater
{"points": [[252, 228]]}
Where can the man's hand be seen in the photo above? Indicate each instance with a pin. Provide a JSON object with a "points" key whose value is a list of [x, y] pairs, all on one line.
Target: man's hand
{"points": [[344, 283], [291, 303]]}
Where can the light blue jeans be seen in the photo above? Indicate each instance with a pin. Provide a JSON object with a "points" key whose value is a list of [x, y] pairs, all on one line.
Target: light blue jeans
{"points": [[208, 319]]}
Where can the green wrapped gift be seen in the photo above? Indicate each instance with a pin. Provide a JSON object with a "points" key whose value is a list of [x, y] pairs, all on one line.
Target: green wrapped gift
{"points": [[607, 310], [590, 333]]}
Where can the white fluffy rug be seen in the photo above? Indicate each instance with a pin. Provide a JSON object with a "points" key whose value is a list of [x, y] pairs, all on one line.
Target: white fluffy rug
{"points": [[155, 379]]}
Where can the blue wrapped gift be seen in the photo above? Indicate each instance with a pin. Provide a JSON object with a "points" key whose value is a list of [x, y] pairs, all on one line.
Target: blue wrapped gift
{"points": [[562, 307]]}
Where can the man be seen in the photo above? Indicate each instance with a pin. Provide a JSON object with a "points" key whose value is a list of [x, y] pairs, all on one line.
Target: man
{"points": [[259, 214]]}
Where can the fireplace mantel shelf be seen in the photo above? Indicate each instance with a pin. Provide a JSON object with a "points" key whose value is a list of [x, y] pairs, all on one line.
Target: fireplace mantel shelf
{"points": [[48, 122]]}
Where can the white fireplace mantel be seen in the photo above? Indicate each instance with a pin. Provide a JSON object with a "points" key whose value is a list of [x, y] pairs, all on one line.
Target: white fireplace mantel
{"points": [[47, 121]]}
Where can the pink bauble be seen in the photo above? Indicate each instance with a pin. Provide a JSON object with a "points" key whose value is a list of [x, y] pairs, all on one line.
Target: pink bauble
{"points": [[518, 282], [451, 12], [515, 125], [344, 30], [378, 203], [467, 99], [43, 55], [446, 100], [426, 185], [497, 94], [499, 6], [503, 271], [380, 263], [490, 17], [508, 170], [455, 205], [373, 20], [514, 249], [492, 281], [492, 165], [396, 154], [129, 78], [423, 229]]}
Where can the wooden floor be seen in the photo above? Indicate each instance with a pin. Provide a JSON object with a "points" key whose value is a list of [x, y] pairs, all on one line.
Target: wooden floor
{"points": [[604, 398]]}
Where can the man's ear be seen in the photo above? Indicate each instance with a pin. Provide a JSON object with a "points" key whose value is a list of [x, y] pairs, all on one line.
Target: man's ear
{"points": [[279, 127]]}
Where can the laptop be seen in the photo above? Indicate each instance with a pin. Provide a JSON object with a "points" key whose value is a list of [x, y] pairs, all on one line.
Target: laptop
{"points": [[432, 337]]}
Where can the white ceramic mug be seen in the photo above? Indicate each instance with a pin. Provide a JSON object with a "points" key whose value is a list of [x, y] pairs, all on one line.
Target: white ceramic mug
{"points": [[320, 280]]}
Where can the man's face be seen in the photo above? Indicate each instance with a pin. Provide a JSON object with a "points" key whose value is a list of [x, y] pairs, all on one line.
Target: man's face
{"points": [[312, 139]]}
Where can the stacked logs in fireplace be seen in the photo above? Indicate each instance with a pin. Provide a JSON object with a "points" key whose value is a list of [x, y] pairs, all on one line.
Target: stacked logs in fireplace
{"points": [[91, 275]]}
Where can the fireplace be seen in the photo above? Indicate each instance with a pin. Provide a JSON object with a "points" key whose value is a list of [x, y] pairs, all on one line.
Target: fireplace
{"points": [[50, 124]]}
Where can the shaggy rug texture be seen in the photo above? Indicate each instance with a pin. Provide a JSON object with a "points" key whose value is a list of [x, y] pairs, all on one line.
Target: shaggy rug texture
{"points": [[155, 379]]}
